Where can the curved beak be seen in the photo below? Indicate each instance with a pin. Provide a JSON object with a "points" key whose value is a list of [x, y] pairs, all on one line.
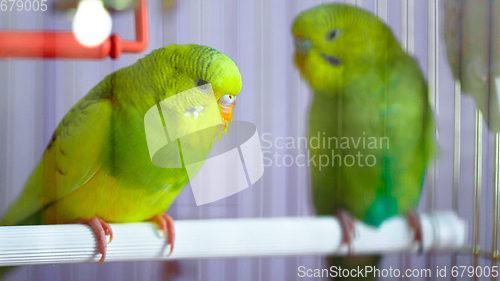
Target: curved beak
{"points": [[226, 112], [302, 48]]}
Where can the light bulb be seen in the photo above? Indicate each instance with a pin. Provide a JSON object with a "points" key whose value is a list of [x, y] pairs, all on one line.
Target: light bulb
{"points": [[92, 23]]}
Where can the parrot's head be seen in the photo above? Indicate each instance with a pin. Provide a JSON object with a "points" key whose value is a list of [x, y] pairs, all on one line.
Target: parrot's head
{"points": [[197, 66], [333, 39]]}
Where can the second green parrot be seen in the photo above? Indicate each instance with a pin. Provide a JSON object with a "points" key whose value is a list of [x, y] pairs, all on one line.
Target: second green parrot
{"points": [[371, 111]]}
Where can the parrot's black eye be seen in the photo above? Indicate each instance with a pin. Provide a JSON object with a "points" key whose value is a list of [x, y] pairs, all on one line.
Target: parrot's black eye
{"points": [[202, 84], [332, 34]]}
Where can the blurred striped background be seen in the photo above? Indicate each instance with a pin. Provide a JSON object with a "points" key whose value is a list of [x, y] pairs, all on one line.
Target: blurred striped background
{"points": [[35, 95]]}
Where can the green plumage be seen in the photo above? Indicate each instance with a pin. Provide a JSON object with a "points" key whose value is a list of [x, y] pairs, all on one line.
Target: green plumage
{"points": [[371, 97], [98, 164], [387, 116]]}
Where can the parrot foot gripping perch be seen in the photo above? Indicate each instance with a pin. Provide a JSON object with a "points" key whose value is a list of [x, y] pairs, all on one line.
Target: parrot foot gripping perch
{"points": [[347, 223], [416, 224], [166, 225], [101, 229]]}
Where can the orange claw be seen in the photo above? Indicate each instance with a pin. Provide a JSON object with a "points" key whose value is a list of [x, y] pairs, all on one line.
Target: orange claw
{"points": [[166, 224], [416, 224], [101, 229], [347, 222]]}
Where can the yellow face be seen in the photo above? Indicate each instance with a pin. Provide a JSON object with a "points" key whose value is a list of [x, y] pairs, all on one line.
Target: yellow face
{"points": [[320, 70], [319, 40], [222, 73], [226, 88], [226, 100], [332, 40]]}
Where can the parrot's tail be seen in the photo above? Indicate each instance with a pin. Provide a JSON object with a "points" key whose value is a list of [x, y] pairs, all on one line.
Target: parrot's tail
{"points": [[5, 271], [356, 267]]}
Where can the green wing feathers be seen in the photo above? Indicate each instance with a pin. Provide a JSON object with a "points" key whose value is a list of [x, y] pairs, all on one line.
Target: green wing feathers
{"points": [[73, 156]]}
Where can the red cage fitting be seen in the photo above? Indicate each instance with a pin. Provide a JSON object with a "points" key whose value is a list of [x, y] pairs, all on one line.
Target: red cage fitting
{"points": [[57, 44]]}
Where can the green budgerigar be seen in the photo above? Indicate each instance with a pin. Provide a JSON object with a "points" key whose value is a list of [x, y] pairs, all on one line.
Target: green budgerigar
{"points": [[371, 115], [98, 168]]}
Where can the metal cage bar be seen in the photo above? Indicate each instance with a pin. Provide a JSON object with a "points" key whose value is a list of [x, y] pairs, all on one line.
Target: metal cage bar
{"points": [[456, 154], [433, 80], [408, 39], [381, 9], [496, 204], [478, 170]]}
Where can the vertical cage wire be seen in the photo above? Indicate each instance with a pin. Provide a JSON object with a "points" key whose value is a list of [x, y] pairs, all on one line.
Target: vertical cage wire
{"points": [[478, 170], [404, 259], [433, 80], [496, 203], [260, 265], [7, 82], [456, 152], [478, 165], [408, 25], [381, 9], [200, 263], [358, 3], [496, 187], [457, 132], [411, 26], [404, 24], [407, 37]]}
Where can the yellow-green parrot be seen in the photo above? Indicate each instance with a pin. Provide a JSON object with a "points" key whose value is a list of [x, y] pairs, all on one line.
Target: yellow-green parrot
{"points": [[97, 168], [472, 40], [371, 115]]}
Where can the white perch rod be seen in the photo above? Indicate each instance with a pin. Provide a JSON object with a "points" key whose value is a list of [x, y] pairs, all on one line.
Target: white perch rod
{"points": [[225, 238]]}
